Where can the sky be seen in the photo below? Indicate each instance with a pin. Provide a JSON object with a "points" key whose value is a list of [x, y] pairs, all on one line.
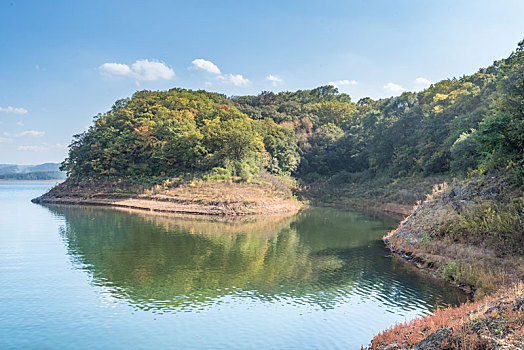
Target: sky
{"points": [[64, 62]]}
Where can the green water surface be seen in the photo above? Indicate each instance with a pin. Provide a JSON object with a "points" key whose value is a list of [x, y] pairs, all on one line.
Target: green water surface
{"points": [[94, 278]]}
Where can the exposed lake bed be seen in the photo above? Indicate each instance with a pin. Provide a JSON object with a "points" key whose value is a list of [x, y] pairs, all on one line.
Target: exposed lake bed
{"points": [[77, 276], [270, 195]]}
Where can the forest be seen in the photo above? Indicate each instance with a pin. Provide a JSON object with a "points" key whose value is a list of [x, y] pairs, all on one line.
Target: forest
{"points": [[474, 123]]}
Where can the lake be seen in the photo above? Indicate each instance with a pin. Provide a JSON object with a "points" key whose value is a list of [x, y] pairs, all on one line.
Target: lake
{"points": [[96, 278]]}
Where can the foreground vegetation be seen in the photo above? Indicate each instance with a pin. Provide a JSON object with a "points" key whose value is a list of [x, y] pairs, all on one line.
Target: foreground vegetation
{"points": [[493, 322], [471, 234]]}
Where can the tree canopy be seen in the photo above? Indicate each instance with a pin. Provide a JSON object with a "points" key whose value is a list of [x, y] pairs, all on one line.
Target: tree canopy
{"points": [[455, 125]]}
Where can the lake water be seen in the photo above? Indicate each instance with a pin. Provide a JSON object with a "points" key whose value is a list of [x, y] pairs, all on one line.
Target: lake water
{"points": [[94, 278]]}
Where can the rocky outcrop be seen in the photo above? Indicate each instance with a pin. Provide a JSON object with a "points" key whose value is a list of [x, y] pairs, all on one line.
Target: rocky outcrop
{"points": [[437, 340]]}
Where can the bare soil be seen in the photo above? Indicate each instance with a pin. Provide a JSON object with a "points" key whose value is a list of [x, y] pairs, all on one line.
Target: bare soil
{"points": [[199, 198]]}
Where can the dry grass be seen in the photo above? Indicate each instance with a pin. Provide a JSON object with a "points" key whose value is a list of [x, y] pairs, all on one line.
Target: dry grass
{"points": [[473, 242], [197, 196], [493, 321], [384, 195], [471, 236]]}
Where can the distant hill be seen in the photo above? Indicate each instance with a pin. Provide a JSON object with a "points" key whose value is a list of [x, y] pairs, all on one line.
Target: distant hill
{"points": [[46, 171]]}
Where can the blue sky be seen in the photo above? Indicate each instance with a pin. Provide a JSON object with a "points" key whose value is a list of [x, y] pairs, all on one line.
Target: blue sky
{"points": [[63, 62]]}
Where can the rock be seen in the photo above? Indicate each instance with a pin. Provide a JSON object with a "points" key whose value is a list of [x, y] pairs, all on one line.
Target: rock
{"points": [[435, 340], [518, 305]]}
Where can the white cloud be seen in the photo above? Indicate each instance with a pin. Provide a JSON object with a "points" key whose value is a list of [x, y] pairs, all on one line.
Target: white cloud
{"points": [[32, 133], [422, 83], [43, 147], [235, 79], [115, 69], [203, 64], [5, 139], [141, 70], [152, 70], [20, 123], [275, 80], [394, 88], [14, 110], [210, 67], [340, 83], [37, 148]]}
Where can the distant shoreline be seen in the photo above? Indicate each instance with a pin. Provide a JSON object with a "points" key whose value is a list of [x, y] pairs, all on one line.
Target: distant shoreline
{"points": [[9, 180]]}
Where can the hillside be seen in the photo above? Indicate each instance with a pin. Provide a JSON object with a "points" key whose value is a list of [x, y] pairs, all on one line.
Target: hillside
{"points": [[46, 171], [330, 144], [451, 127], [470, 233], [438, 130]]}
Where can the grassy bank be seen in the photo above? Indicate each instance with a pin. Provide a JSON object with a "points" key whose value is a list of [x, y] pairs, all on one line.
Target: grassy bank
{"points": [[492, 322], [382, 195], [470, 233]]}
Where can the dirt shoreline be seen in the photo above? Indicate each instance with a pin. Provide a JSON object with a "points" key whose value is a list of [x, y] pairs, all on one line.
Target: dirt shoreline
{"points": [[161, 206], [201, 198]]}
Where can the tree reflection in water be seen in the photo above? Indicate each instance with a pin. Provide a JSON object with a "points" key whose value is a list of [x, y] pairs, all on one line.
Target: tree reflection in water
{"points": [[319, 257]]}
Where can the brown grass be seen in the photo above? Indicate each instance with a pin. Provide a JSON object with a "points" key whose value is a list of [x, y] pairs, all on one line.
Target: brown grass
{"points": [[383, 195], [479, 253], [495, 320], [213, 197], [471, 236]]}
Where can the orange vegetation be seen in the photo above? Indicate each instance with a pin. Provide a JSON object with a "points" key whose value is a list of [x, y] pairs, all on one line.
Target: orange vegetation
{"points": [[494, 321]]}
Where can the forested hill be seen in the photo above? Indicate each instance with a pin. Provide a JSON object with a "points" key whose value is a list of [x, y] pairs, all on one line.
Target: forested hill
{"points": [[454, 126]]}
